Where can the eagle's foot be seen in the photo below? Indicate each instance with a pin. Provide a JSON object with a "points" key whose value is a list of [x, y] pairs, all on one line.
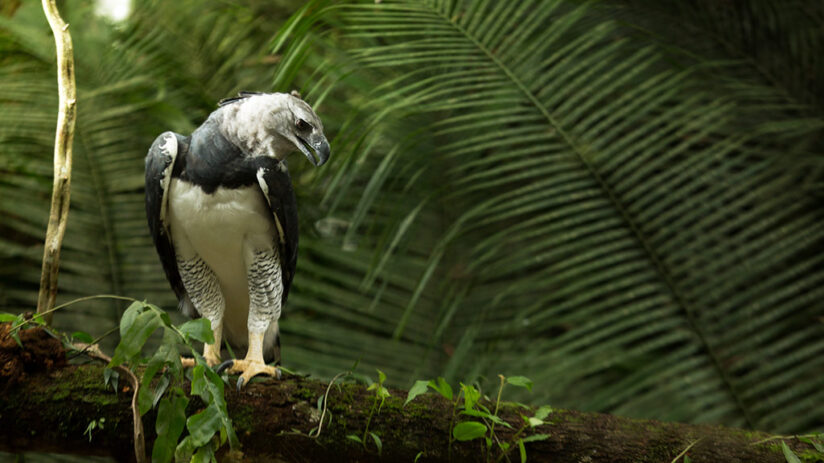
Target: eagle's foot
{"points": [[247, 369]]}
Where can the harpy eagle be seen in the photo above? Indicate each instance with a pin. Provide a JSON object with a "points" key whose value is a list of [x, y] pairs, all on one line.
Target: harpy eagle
{"points": [[223, 217]]}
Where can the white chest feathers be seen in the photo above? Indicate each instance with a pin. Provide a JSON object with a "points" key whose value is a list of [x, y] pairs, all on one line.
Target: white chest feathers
{"points": [[218, 226]]}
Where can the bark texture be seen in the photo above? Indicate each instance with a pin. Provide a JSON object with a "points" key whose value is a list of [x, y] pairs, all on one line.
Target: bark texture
{"points": [[59, 213], [47, 404]]}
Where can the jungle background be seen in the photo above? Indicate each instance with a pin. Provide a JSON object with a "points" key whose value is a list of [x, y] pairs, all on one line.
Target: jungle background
{"points": [[621, 200]]}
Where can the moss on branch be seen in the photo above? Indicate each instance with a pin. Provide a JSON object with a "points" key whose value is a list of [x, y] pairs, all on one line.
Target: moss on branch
{"points": [[49, 409]]}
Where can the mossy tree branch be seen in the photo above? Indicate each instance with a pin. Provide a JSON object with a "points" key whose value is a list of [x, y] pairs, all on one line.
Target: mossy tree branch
{"points": [[50, 410], [58, 215]]}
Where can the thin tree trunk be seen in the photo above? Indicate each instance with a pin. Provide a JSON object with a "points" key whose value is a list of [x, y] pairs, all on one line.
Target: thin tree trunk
{"points": [[58, 215]]}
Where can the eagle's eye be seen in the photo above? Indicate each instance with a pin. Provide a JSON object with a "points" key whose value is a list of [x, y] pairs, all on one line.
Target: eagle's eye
{"points": [[303, 125]]}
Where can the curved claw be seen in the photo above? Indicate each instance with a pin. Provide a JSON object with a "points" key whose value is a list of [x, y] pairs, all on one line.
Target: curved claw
{"points": [[224, 365], [247, 370]]}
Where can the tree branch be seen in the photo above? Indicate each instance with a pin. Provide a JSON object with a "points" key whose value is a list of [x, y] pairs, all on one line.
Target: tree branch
{"points": [[48, 405], [62, 159]]}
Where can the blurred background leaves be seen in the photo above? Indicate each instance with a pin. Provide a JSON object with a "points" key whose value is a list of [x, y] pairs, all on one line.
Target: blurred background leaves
{"points": [[620, 200]]}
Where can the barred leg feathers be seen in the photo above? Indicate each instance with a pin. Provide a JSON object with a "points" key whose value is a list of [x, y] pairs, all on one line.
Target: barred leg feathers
{"points": [[204, 294], [265, 291]]}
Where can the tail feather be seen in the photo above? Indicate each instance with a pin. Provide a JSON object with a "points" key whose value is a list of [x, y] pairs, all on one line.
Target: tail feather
{"points": [[271, 344], [187, 308]]}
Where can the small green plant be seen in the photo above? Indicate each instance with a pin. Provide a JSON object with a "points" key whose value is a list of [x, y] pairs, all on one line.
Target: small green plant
{"points": [[210, 427], [19, 322], [94, 424], [815, 440], [815, 454], [161, 384], [380, 395], [468, 403]]}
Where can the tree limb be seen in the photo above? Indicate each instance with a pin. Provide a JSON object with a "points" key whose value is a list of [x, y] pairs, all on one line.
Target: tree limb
{"points": [[61, 187], [49, 408]]}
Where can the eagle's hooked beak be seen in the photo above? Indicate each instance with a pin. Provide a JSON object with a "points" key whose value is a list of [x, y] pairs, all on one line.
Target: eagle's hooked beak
{"points": [[315, 142]]}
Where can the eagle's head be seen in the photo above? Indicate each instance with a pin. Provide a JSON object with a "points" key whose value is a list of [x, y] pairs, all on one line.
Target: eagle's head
{"points": [[274, 124]]}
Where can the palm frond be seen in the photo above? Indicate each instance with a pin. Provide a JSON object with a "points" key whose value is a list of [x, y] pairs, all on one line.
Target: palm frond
{"points": [[605, 224]]}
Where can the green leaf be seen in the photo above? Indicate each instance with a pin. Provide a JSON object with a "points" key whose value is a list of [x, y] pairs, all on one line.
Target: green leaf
{"points": [[89, 428], [162, 386], [520, 381], [534, 422], [543, 412], [204, 454], [166, 355], [484, 414], [381, 377], [185, 449], [354, 438], [199, 383], [536, 437], [418, 456], [815, 443], [383, 393], [788, 454], [468, 430], [111, 377], [199, 329], [215, 386], [522, 449], [15, 328], [208, 385], [687, 459], [417, 389], [144, 399], [16, 337], [164, 316], [136, 335], [471, 396], [377, 440], [7, 317], [442, 387], [82, 336], [171, 418], [129, 316], [203, 425]]}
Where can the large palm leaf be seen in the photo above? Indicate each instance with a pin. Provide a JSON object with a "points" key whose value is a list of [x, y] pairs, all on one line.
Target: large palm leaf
{"points": [[602, 221]]}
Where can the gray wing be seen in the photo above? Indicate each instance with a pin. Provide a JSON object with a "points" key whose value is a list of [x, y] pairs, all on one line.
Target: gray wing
{"points": [[160, 162]]}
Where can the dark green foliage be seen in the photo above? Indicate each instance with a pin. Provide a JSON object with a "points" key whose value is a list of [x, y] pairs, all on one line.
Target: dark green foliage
{"points": [[620, 200]]}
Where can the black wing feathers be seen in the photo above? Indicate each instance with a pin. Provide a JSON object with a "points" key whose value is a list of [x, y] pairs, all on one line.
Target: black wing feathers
{"points": [[157, 168], [284, 208]]}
